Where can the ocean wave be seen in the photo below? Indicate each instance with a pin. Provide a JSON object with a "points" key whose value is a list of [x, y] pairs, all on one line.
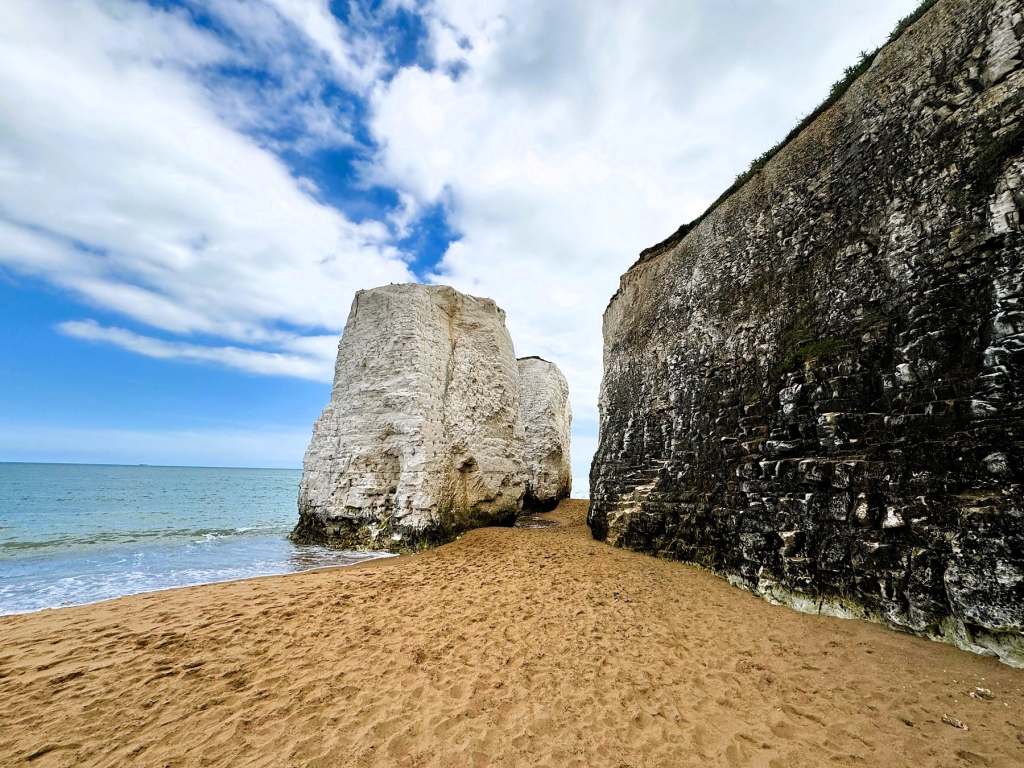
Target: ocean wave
{"points": [[106, 538], [80, 581]]}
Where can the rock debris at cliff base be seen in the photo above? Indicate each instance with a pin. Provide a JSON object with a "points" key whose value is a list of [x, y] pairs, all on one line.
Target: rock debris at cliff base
{"points": [[818, 390]]}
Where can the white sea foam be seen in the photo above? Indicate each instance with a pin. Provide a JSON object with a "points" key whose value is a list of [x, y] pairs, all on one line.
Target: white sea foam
{"points": [[76, 534]]}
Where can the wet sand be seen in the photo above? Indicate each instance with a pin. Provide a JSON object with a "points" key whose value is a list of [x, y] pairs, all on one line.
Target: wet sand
{"points": [[510, 647]]}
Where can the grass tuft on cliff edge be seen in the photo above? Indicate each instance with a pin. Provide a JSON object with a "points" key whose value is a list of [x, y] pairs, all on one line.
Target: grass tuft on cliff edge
{"points": [[850, 74]]}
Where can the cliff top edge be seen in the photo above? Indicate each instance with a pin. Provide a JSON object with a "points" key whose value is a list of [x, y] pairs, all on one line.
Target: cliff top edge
{"points": [[838, 92]]}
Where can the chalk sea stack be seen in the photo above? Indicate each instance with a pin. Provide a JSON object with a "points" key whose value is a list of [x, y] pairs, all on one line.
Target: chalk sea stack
{"points": [[547, 418], [817, 389], [423, 436]]}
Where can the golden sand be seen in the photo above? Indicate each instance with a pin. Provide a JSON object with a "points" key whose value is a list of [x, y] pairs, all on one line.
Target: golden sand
{"points": [[509, 647]]}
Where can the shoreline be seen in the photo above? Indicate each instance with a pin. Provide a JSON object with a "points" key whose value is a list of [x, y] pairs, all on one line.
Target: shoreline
{"points": [[506, 647], [371, 558]]}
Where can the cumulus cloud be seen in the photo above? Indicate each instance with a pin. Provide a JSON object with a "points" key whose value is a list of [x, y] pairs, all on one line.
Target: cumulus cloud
{"points": [[312, 358], [121, 181], [566, 137], [354, 52]]}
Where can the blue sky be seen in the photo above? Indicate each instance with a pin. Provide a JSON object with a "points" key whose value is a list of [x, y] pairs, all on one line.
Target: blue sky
{"points": [[192, 190]]}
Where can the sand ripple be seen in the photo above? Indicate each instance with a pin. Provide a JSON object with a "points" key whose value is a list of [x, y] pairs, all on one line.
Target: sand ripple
{"points": [[510, 647]]}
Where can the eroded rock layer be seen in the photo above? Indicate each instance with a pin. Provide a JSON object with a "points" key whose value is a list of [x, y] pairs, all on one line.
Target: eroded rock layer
{"points": [[817, 390], [422, 437], [547, 419]]}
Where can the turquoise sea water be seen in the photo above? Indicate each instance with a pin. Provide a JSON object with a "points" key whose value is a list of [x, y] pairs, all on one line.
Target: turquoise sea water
{"points": [[78, 533]]}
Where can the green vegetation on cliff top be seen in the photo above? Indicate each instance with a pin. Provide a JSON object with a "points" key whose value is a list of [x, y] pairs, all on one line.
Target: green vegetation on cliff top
{"points": [[839, 88]]}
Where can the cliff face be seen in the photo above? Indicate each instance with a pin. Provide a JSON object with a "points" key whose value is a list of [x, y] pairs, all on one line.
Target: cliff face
{"points": [[817, 391], [422, 436], [547, 419]]}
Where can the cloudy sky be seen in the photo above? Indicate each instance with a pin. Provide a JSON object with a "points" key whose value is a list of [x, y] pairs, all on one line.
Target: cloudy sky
{"points": [[192, 190]]}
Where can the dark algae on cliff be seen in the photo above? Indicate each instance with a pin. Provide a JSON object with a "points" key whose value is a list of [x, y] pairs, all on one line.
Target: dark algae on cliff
{"points": [[816, 389]]}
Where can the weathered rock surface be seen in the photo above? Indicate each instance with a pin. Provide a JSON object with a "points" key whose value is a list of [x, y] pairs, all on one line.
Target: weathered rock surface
{"points": [[547, 419], [422, 437], [818, 390]]}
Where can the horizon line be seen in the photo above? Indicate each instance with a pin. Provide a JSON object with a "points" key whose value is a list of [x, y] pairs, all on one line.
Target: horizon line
{"points": [[143, 464]]}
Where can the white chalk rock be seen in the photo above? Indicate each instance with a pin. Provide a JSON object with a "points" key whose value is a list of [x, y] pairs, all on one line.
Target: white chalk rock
{"points": [[547, 418], [422, 437]]}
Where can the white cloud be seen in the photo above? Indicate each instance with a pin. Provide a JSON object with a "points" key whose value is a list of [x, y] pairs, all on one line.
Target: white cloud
{"points": [[574, 134], [121, 181], [356, 56], [287, 106], [313, 357]]}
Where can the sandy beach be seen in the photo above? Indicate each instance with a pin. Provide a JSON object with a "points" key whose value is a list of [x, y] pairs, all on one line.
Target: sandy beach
{"points": [[508, 647]]}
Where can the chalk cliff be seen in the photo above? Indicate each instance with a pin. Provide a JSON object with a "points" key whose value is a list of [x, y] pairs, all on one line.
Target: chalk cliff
{"points": [[817, 390], [422, 437], [547, 418]]}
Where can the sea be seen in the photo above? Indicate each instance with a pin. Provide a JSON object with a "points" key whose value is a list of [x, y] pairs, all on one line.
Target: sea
{"points": [[79, 533]]}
